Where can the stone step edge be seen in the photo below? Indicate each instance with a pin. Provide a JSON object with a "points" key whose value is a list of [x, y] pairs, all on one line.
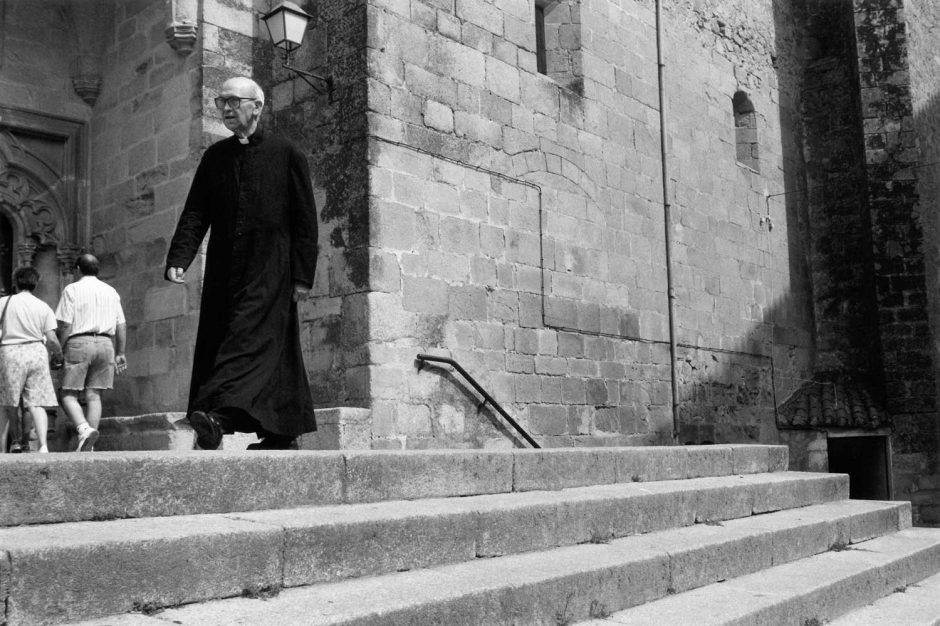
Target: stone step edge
{"points": [[688, 556], [813, 590], [380, 537], [557, 585], [916, 604], [111, 485]]}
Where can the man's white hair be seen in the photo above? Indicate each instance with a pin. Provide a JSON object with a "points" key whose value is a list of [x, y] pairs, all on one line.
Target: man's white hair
{"points": [[244, 82]]}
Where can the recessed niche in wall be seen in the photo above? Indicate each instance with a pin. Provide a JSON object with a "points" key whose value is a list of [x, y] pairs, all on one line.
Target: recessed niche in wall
{"points": [[558, 41], [745, 131]]}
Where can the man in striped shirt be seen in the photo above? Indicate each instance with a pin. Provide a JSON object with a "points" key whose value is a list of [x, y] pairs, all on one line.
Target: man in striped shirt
{"points": [[93, 332]]}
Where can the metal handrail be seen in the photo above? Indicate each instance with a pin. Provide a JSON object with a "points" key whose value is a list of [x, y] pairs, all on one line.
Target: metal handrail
{"points": [[487, 398]]}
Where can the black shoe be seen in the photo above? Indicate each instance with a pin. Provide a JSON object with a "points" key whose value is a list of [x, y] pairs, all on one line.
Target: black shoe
{"points": [[274, 442], [208, 429]]}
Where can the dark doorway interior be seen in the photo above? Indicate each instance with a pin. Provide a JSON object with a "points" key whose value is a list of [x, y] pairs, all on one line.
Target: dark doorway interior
{"points": [[865, 460]]}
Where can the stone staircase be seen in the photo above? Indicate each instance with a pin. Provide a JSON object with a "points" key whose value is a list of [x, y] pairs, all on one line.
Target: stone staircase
{"points": [[658, 535]]}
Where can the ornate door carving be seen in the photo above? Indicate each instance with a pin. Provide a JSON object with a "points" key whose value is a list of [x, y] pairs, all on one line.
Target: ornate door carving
{"points": [[43, 196]]}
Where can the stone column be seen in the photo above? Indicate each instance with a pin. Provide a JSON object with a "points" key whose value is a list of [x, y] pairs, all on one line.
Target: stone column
{"points": [[25, 252]]}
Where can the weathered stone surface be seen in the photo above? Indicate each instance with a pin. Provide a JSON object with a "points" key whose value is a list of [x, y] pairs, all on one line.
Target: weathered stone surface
{"points": [[102, 568], [106, 485], [575, 581], [374, 476], [552, 469], [820, 587], [916, 604]]}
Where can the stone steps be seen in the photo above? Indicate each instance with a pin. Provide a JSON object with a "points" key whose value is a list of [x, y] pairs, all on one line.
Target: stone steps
{"points": [[813, 590], [917, 604], [423, 537], [126, 561], [101, 485], [556, 585]]}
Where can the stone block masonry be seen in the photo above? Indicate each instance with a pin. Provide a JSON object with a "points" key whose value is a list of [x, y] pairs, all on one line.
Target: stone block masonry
{"points": [[516, 224], [897, 51], [146, 148], [494, 327]]}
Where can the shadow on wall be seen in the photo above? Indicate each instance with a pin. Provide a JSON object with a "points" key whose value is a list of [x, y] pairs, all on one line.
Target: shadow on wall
{"points": [[730, 394]]}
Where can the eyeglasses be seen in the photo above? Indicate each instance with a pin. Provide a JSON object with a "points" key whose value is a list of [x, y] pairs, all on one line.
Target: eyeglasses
{"points": [[232, 101]]}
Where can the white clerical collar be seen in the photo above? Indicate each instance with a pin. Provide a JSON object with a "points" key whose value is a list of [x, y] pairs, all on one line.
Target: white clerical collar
{"points": [[242, 140]]}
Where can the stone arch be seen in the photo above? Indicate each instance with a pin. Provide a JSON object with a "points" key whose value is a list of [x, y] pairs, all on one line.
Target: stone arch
{"points": [[747, 145], [586, 269], [532, 166]]}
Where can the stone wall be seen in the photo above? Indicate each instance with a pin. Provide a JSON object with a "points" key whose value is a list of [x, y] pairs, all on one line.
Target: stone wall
{"points": [[331, 127], [742, 280], [920, 476], [840, 227], [144, 147], [517, 225], [898, 244], [891, 151], [37, 47]]}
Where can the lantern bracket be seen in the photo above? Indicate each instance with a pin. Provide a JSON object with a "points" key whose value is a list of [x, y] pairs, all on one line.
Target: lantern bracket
{"points": [[323, 84]]}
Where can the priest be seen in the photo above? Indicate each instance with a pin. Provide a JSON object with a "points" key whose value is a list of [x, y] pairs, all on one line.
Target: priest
{"points": [[253, 191]]}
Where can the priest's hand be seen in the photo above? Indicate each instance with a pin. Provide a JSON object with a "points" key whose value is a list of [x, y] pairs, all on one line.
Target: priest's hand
{"points": [[174, 274], [300, 291]]}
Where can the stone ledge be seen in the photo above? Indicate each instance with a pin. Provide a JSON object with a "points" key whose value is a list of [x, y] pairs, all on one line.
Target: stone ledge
{"points": [[338, 429], [108, 485]]}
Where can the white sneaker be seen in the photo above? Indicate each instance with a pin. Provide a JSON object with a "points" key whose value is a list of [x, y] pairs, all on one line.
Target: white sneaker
{"points": [[86, 439]]}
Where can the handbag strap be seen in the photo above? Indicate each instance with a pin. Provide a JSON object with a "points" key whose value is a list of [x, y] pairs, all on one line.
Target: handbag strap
{"points": [[3, 316]]}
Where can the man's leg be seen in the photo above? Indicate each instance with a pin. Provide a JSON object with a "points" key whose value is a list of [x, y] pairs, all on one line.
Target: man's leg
{"points": [[73, 408], [86, 434], [78, 354], [93, 406]]}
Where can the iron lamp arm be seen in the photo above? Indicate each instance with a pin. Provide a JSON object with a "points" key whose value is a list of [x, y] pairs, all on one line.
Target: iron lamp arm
{"points": [[325, 85]]}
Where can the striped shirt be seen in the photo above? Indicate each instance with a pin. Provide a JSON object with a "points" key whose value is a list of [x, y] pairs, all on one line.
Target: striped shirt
{"points": [[90, 306]]}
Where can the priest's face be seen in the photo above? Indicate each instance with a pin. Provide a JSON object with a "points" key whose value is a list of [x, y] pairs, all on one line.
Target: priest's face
{"points": [[240, 110]]}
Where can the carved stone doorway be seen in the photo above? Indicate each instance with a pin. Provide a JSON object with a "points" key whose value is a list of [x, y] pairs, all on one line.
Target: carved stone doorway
{"points": [[43, 197]]}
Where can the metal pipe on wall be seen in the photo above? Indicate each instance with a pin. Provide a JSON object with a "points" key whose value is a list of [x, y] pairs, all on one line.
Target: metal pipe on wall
{"points": [[667, 219]]}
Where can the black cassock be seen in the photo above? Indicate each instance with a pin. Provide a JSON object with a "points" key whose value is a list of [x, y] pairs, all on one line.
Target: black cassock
{"points": [[258, 201]]}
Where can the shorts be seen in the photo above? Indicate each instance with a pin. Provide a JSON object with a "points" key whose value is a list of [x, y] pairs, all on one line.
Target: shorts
{"points": [[25, 377], [89, 363]]}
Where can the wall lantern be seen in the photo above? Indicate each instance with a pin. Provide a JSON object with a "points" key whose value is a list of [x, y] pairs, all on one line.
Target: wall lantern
{"points": [[287, 24]]}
